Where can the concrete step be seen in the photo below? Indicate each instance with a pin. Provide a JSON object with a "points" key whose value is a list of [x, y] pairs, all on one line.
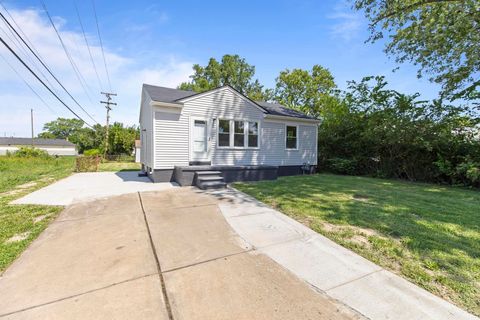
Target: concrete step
{"points": [[210, 178], [211, 185], [208, 173]]}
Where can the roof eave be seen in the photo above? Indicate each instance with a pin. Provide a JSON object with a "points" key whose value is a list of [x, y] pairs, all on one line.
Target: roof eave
{"points": [[155, 103], [277, 117]]}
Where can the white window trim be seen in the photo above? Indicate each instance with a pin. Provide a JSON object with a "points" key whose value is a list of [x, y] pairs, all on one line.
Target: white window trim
{"points": [[232, 134], [296, 140]]}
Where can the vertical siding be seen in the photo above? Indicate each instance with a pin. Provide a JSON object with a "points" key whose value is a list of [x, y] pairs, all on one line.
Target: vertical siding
{"points": [[146, 132]]}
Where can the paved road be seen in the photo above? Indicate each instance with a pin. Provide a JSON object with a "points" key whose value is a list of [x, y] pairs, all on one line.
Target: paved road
{"points": [[154, 255]]}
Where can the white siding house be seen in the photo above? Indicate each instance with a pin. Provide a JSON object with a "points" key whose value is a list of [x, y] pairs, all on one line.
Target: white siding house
{"points": [[221, 129], [57, 147]]}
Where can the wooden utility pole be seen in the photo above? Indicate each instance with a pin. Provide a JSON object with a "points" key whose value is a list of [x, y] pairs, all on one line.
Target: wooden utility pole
{"points": [[108, 103], [31, 122]]}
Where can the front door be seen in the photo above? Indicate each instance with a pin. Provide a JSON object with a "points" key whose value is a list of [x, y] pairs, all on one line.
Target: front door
{"points": [[199, 140]]}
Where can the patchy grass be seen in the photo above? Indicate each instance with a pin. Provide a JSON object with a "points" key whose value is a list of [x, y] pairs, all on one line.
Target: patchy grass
{"points": [[119, 166], [427, 233], [21, 224]]}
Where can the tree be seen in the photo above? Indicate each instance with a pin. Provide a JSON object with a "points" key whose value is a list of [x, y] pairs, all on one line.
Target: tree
{"points": [[442, 37], [61, 128], [46, 135], [306, 91], [233, 71]]}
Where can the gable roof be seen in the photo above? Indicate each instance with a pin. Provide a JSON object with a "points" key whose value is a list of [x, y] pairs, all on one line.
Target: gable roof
{"points": [[13, 141], [170, 95]]}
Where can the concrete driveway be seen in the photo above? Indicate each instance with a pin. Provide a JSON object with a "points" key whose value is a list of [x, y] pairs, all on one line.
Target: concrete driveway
{"points": [[91, 185], [154, 255]]}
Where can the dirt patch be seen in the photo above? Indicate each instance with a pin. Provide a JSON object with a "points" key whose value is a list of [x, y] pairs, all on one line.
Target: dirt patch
{"points": [[26, 185], [361, 240], [40, 218], [18, 237]]}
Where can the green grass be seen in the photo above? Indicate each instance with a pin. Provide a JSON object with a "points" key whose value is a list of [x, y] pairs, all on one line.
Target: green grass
{"points": [[427, 233], [20, 176], [118, 166]]}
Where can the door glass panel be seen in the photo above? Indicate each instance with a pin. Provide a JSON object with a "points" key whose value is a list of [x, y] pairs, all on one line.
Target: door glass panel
{"points": [[200, 136]]}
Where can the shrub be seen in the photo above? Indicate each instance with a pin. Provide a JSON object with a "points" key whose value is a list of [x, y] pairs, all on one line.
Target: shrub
{"points": [[87, 164], [342, 166], [30, 152], [91, 152]]}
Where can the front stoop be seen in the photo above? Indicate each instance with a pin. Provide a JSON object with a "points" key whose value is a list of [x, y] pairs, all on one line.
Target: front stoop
{"points": [[209, 180]]}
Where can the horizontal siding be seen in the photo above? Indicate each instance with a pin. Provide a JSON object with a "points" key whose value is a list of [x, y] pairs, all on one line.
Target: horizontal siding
{"points": [[222, 104], [171, 138], [172, 134]]}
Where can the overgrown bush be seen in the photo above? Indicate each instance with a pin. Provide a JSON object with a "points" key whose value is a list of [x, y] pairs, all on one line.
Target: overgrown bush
{"points": [[87, 164], [91, 152], [30, 152], [379, 132]]}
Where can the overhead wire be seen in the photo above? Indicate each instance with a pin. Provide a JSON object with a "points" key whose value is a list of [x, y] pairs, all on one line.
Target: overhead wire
{"points": [[42, 82], [26, 83], [33, 51], [88, 46], [80, 78], [101, 45]]}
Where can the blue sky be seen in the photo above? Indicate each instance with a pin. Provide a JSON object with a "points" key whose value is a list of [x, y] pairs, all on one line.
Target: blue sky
{"points": [[157, 42]]}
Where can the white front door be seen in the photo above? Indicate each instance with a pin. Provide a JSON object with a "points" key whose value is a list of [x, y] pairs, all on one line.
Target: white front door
{"points": [[199, 143]]}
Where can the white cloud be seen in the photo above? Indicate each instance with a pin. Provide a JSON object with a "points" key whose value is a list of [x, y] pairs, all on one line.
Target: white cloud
{"points": [[347, 23], [127, 74]]}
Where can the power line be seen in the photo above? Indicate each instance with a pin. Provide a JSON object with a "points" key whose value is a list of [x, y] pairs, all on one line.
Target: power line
{"points": [[101, 45], [26, 83], [31, 49], [19, 47], [72, 62], [41, 81], [88, 46]]}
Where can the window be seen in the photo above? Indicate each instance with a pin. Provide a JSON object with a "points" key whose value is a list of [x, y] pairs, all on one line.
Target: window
{"points": [[253, 134], [223, 133], [291, 137], [239, 134]]}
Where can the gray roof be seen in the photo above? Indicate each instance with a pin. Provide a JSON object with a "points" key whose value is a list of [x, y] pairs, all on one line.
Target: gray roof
{"points": [[13, 141], [163, 94], [279, 110]]}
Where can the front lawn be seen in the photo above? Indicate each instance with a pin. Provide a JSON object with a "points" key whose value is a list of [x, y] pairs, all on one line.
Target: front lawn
{"points": [[21, 224], [119, 166], [427, 233]]}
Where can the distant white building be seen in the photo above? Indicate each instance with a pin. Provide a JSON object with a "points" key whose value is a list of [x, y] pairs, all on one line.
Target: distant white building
{"points": [[58, 147], [137, 150]]}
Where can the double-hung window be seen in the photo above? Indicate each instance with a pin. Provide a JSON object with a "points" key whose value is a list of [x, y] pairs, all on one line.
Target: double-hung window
{"points": [[223, 133], [252, 134], [238, 134], [291, 141]]}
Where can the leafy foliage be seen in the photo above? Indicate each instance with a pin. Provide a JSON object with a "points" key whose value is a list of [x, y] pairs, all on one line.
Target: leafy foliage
{"points": [[30, 152], [121, 139], [233, 71], [442, 37], [381, 132], [305, 91]]}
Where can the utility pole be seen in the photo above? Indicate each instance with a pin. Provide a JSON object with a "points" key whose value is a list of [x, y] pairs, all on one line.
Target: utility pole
{"points": [[31, 121], [108, 103]]}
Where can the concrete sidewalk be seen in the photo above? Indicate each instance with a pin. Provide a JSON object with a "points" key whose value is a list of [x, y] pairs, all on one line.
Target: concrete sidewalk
{"points": [[339, 272], [156, 255]]}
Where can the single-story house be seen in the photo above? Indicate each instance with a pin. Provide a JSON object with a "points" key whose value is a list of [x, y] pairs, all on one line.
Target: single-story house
{"points": [[218, 136], [58, 147]]}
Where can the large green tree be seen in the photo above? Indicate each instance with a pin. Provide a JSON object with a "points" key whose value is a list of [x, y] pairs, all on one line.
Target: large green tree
{"points": [[231, 70], [306, 91], [62, 128], [442, 37]]}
